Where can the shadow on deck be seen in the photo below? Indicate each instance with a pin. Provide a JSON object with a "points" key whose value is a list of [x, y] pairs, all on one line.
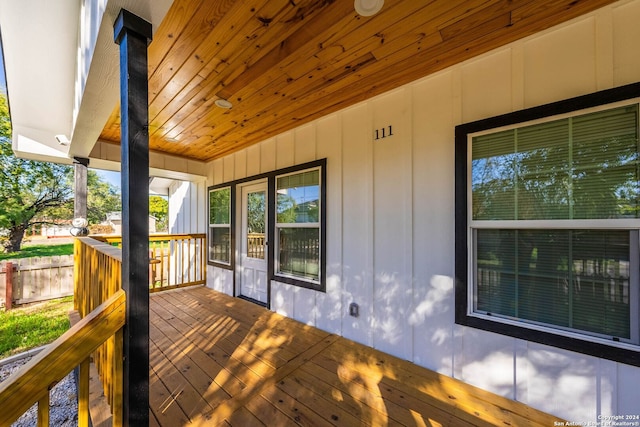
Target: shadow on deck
{"points": [[222, 361]]}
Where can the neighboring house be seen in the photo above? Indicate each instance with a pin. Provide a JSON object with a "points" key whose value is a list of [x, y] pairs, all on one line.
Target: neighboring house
{"points": [[61, 228], [114, 219], [56, 231], [479, 216]]}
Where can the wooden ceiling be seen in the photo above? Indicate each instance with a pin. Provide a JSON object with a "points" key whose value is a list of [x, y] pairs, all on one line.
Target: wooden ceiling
{"points": [[283, 63]]}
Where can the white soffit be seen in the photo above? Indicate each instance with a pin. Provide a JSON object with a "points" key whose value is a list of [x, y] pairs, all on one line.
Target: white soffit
{"points": [[39, 39], [160, 186]]}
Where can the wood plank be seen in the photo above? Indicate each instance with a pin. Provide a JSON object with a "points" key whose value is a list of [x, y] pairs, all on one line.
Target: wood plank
{"points": [[288, 46], [224, 410], [206, 63], [153, 422], [162, 404], [302, 401], [234, 43], [286, 63], [199, 378], [267, 331], [385, 73], [344, 45], [469, 403], [43, 411], [244, 311], [334, 382], [262, 409], [99, 409], [243, 418], [179, 16], [222, 352], [401, 407], [182, 392], [205, 19], [220, 382]]}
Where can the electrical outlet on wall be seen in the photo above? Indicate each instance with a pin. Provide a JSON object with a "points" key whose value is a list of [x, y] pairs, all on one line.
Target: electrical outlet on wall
{"points": [[354, 309]]}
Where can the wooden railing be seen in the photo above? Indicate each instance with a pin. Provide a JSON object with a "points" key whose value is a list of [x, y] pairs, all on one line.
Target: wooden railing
{"points": [[32, 383], [175, 260], [98, 276], [255, 245], [100, 304]]}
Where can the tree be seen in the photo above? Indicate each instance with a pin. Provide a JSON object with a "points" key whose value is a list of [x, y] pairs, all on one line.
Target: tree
{"points": [[28, 189], [102, 198], [255, 212], [159, 209]]}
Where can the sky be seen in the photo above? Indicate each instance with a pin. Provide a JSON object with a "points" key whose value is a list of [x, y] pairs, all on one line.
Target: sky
{"points": [[111, 177]]}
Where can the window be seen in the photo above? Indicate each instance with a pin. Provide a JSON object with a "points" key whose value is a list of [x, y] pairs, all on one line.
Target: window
{"points": [[298, 225], [220, 225], [294, 232], [548, 246]]}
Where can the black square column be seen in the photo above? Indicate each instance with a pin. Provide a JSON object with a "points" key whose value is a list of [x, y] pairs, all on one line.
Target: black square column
{"points": [[133, 35]]}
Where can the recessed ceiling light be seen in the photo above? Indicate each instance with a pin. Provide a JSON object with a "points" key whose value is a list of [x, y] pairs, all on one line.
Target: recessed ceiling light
{"points": [[368, 7], [223, 103]]}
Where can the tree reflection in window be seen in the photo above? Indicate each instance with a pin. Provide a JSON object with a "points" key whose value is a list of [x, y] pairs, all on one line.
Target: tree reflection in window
{"points": [[578, 168], [298, 224], [220, 225], [584, 167]]}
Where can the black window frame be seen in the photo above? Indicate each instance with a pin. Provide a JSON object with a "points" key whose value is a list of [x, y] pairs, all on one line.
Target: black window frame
{"points": [[232, 211], [320, 164], [462, 310]]}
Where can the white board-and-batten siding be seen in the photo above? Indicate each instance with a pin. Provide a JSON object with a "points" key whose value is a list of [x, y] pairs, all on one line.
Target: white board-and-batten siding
{"points": [[390, 214], [187, 206]]}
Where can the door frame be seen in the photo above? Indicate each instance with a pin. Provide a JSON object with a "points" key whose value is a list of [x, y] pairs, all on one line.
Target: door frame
{"points": [[240, 240]]}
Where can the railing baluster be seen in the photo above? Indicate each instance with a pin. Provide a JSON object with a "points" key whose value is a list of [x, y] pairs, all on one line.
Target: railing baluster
{"points": [[83, 394], [103, 263], [43, 411], [182, 259], [117, 381], [97, 277]]}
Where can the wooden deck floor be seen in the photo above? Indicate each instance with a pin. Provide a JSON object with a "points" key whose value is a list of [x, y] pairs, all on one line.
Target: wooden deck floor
{"points": [[222, 361]]}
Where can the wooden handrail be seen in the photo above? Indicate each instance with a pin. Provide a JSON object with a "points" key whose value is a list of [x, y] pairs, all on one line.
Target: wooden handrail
{"points": [[33, 381], [100, 303], [117, 239]]}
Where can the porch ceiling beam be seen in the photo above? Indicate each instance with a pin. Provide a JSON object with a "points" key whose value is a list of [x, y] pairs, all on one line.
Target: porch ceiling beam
{"points": [[133, 34]]}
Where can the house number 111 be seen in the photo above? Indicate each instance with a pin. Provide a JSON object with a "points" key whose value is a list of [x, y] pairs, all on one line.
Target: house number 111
{"points": [[384, 132]]}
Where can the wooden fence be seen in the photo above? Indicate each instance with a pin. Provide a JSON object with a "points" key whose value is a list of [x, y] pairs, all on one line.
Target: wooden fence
{"points": [[36, 279]]}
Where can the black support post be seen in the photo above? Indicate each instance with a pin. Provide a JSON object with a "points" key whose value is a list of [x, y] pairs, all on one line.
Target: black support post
{"points": [[133, 35]]}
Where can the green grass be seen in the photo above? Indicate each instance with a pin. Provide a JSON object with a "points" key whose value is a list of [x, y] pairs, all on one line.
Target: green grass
{"points": [[34, 325], [39, 251]]}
